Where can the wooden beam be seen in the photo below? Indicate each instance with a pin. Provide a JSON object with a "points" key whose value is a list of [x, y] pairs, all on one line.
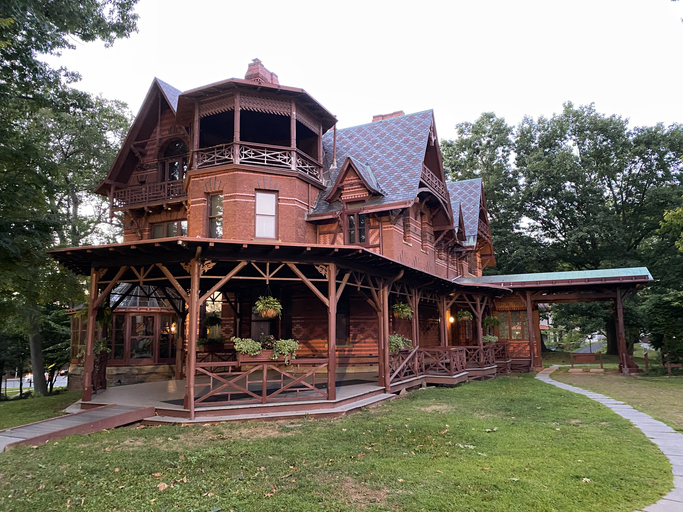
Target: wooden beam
{"points": [[193, 326], [109, 287], [340, 290], [530, 329], [332, 332], [415, 322], [174, 282], [308, 283], [89, 365], [220, 283], [385, 336]]}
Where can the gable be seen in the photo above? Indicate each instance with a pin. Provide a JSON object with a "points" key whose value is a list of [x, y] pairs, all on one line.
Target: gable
{"points": [[354, 181]]}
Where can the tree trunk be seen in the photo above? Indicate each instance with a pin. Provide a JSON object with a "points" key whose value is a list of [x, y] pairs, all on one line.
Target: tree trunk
{"points": [[36, 346], [611, 334]]}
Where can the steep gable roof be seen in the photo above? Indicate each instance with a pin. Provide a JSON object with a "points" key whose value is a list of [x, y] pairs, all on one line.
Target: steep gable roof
{"points": [[469, 194], [170, 93], [364, 172], [394, 149]]}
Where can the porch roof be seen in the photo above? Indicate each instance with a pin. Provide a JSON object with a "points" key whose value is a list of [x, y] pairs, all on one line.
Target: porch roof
{"points": [[177, 250], [635, 275]]}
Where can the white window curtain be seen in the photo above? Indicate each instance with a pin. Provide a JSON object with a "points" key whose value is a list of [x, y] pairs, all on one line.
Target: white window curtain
{"points": [[266, 214]]}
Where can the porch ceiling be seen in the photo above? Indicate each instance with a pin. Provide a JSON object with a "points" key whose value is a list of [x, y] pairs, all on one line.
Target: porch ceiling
{"points": [[173, 251]]}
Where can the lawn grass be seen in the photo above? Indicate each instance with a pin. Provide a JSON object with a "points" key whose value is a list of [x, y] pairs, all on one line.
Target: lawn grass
{"points": [[609, 361], [29, 410], [660, 397], [513, 443]]}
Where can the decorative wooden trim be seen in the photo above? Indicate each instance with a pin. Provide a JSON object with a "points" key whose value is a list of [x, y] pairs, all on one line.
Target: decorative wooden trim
{"points": [[217, 105], [305, 118], [220, 283], [308, 283], [109, 287], [265, 105]]}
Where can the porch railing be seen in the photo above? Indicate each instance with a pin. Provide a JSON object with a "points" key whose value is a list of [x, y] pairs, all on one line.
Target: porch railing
{"points": [[476, 356], [263, 382], [406, 365], [149, 193], [444, 360], [258, 154], [501, 351]]}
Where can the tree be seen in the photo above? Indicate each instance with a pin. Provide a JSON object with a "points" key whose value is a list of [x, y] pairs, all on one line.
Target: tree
{"points": [[28, 29]]}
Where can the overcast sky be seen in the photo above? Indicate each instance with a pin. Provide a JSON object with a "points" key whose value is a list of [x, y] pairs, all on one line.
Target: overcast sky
{"points": [[460, 58]]}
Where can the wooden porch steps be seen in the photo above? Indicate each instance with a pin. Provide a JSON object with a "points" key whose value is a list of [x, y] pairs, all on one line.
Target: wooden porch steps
{"points": [[340, 409], [85, 422]]}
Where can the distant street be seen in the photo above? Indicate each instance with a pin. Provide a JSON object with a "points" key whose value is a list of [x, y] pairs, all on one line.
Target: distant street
{"points": [[28, 382], [595, 347]]}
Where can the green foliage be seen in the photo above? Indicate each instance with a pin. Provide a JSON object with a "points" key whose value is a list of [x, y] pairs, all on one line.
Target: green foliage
{"points": [[285, 348], [247, 346], [398, 342], [665, 315], [489, 322], [263, 304], [212, 320], [402, 310], [267, 341], [489, 338], [210, 342], [463, 315]]}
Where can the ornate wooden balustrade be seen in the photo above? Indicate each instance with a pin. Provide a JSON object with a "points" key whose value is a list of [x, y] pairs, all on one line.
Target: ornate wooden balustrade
{"points": [[148, 193], [444, 360], [433, 181], [406, 365], [263, 382], [258, 154], [501, 351], [480, 357]]}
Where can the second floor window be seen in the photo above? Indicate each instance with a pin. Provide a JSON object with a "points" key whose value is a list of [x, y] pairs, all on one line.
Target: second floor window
{"points": [[169, 229], [216, 216], [174, 163], [356, 228], [266, 214]]}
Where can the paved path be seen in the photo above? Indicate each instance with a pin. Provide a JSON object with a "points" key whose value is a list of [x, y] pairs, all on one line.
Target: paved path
{"points": [[85, 422], [666, 438]]}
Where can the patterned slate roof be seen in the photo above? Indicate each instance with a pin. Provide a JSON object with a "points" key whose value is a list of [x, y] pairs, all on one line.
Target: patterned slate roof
{"points": [[367, 175], [468, 193], [171, 94], [455, 206], [394, 149]]}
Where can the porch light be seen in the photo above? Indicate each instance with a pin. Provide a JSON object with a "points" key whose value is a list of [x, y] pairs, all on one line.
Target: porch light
{"points": [[174, 328], [451, 319]]}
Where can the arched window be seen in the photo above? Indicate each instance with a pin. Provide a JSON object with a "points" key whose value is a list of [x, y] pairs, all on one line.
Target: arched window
{"points": [[174, 161]]}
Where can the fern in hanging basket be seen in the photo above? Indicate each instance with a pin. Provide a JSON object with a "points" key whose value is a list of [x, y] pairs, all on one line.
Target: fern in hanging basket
{"points": [[490, 321], [268, 307], [211, 320], [463, 315], [402, 310]]}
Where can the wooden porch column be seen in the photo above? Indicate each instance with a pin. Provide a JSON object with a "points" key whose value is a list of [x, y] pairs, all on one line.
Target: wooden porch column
{"points": [[537, 333], [385, 336], [332, 331], [621, 334], [443, 324], [90, 338], [193, 326], [415, 323], [530, 330]]}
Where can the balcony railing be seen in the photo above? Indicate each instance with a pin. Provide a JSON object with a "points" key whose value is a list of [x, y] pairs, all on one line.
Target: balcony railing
{"points": [[148, 193], [260, 155], [434, 182]]}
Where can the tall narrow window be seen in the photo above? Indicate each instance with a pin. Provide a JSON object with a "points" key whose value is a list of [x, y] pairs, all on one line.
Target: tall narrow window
{"points": [[356, 228], [174, 164], [406, 226], [216, 216], [266, 214]]}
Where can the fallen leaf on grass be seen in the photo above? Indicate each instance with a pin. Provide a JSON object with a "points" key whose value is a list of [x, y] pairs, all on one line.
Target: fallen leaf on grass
{"points": [[116, 470], [156, 474], [485, 469], [162, 486], [586, 479], [439, 471]]}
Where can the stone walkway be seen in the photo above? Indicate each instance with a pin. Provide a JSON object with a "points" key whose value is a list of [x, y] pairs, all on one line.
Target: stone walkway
{"points": [[666, 438]]}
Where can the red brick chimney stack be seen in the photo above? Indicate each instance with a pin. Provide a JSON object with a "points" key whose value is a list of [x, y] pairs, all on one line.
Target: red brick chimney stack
{"points": [[382, 117], [258, 73]]}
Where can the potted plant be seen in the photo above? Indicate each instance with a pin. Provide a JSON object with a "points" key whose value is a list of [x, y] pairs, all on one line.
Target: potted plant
{"points": [[285, 348], [489, 338], [249, 350], [267, 341], [268, 307], [212, 345], [402, 310], [211, 320], [463, 315], [398, 343], [490, 322]]}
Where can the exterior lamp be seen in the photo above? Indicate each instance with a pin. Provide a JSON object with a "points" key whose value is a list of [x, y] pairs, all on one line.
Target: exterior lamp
{"points": [[451, 319]]}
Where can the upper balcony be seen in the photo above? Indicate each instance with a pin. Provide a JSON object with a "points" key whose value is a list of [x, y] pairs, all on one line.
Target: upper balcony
{"points": [[264, 155], [148, 194]]}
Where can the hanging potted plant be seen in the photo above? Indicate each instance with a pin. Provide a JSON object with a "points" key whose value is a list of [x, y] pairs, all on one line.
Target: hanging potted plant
{"points": [[402, 310], [268, 307], [463, 315], [398, 343], [490, 322]]}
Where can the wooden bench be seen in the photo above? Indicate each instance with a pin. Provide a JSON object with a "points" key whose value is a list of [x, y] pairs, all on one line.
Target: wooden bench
{"points": [[585, 358]]}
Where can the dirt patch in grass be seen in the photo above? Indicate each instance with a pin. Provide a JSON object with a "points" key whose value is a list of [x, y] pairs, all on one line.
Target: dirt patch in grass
{"points": [[360, 496], [436, 408]]}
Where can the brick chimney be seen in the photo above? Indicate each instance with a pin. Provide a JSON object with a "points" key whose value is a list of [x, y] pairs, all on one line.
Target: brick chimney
{"points": [[258, 73], [382, 117]]}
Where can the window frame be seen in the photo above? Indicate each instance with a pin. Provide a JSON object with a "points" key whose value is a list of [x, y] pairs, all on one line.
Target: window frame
{"points": [[179, 228], [275, 216], [212, 217], [356, 216], [166, 161]]}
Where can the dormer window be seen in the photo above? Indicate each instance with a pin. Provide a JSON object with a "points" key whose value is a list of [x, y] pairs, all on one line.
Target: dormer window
{"points": [[174, 161], [355, 232]]}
